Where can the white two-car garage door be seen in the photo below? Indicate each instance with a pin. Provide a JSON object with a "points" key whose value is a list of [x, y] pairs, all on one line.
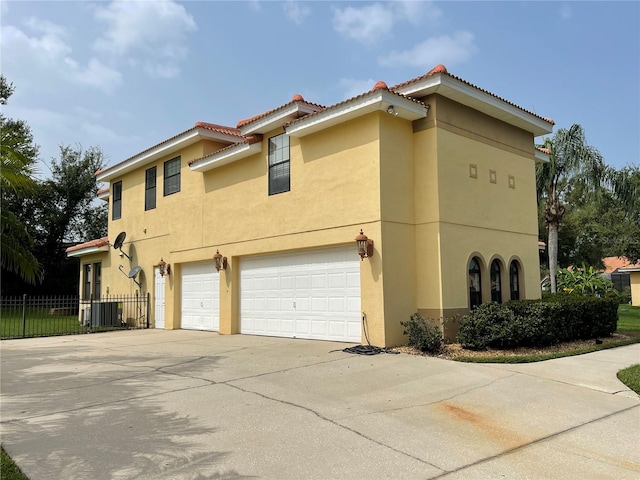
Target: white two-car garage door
{"points": [[200, 296], [311, 294]]}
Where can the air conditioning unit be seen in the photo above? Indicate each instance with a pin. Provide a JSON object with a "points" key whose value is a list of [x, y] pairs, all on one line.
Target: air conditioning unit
{"points": [[86, 317]]}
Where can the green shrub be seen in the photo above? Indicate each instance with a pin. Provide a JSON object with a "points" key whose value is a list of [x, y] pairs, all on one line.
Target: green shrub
{"points": [[425, 335], [489, 325], [538, 323]]}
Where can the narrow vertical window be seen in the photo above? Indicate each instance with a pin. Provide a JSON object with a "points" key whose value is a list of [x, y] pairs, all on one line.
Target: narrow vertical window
{"points": [[172, 176], [97, 280], [514, 280], [279, 165], [150, 189], [86, 291], [116, 207], [475, 284], [496, 286]]}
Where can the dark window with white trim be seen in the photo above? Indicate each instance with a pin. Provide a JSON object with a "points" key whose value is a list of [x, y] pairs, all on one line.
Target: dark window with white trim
{"points": [[92, 281], [475, 284], [150, 189], [279, 165], [496, 285], [86, 293], [116, 206], [172, 176], [514, 280]]}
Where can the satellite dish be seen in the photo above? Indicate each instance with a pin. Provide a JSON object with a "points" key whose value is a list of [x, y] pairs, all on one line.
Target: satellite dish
{"points": [[119, 240], [118, 243], [134, 271]]}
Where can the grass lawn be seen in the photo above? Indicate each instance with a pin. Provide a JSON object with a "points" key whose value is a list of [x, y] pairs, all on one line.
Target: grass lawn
{"points": [[631, 377], [628, 332], [8, 469], [39, 322]]}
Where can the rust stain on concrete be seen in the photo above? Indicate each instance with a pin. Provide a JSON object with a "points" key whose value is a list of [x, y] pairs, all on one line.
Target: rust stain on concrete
{"points": [[490, 427]]}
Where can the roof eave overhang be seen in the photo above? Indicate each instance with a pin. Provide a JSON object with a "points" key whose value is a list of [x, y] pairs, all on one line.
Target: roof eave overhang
{"points": [[541, 157], [229, 155], [379, 100], [87, 251], [178, 143], [277, 118], [104, 195], [477, 99]]}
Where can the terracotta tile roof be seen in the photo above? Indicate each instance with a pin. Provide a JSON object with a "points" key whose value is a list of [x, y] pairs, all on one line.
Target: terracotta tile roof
{"points": [[103, 190], [100, 242], [219, 128], [544, 150], [297, 98], [441, 69], [208, 126], [376, 87], [248, 140]]}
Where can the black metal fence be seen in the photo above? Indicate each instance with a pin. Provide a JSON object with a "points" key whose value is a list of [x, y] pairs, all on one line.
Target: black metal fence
{"points": [[30, 316]]}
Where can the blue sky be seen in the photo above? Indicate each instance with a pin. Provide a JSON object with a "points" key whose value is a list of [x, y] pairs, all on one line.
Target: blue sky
{"points": [[127, 75]]}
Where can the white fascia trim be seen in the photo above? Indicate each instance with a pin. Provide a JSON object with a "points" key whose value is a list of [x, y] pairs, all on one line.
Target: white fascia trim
{"points": [[541, 157], [230, 155], [88, 251], [380, 101], [184, 140], [275, 120], [443, 84]]}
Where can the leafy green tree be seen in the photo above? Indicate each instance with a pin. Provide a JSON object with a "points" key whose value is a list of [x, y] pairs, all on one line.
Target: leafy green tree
{"points": [[571, 161], [18, 156]]}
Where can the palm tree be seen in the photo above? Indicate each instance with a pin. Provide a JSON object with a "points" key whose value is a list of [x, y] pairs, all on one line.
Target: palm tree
{"points": [[17, 158], [571, 162]]}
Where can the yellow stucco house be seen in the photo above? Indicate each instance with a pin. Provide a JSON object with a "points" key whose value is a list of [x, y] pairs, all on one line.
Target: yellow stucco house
{"points": [[253, 229]]}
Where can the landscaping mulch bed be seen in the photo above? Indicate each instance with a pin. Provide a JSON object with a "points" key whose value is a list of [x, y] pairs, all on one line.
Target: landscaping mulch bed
{"points": [[453, 351]]}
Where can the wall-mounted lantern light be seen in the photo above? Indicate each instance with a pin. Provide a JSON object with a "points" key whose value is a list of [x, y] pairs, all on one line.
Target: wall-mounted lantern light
{"points": [[164, 267], [221, 262], [365, 246]]}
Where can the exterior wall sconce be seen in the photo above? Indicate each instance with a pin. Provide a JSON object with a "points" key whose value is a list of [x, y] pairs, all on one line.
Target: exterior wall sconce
{"points": [[221, 262], [391, 110], [365, 246], [164, 267]]}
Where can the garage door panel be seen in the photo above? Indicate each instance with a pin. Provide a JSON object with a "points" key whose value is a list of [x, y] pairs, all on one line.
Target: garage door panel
{"points": [[200, 297], [317, 293]]}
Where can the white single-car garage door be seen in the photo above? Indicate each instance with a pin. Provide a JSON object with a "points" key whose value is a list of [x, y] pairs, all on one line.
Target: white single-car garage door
{"points": [[311, 294], [200, 296]]}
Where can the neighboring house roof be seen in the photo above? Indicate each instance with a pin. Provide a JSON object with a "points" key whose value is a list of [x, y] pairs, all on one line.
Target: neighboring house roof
{"points": [[611, 264], [92, 246]]}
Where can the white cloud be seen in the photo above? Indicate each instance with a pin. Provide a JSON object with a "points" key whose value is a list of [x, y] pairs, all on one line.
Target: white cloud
{"points": [[352, 87], [156, 31], [295, 11], [447, 49], [372, 22], [29, 59]]}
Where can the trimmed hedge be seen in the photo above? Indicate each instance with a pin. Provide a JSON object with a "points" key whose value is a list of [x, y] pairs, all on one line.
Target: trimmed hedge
{"points": [[538, 323]]}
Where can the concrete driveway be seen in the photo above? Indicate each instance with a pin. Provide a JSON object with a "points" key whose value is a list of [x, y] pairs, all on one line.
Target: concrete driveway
{"points": [[191, 405]]}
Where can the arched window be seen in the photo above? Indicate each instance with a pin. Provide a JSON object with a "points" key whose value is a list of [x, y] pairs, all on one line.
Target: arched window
{"points": [[475, 284], [514, 280], [496, 287]]}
